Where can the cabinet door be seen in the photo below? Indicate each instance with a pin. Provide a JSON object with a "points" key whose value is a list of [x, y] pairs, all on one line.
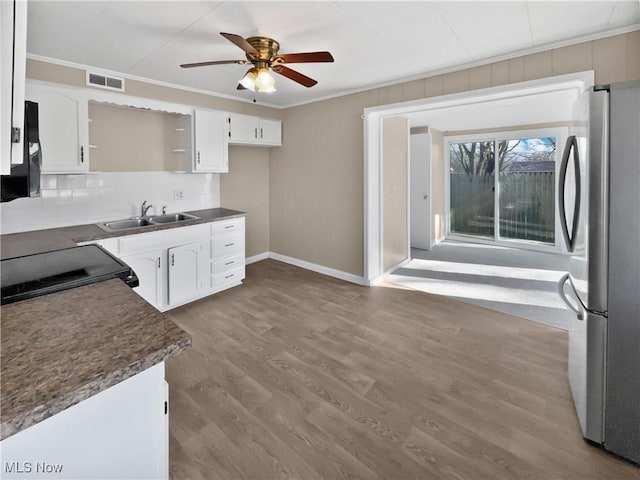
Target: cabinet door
{"points": [[211, 152], [13, 50], [184, 274], [243, 129], [270, 131], [62, 124], [148, 268]]}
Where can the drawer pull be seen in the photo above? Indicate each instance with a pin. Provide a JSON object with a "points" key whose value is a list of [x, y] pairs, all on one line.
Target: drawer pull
{"points": [[229, 276], [229, 226], [230, 263], [229, 244]]}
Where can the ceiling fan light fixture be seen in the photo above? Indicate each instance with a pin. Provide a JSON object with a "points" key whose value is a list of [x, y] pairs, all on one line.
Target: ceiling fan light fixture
{"points": [[249, 79], [264, 82]]}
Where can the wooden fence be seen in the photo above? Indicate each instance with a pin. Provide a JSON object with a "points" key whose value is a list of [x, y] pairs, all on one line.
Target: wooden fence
{"points": [[527, 205]]}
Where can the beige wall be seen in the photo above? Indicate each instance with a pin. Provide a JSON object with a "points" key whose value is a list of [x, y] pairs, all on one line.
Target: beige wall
{"points": [[316, 207], [395, 175], [246, 188], [134, 140], [438, 227]]}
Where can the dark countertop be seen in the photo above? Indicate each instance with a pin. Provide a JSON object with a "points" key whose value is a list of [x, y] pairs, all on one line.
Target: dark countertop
{"points": [[38, 241], [59, 349], [62, 348]]}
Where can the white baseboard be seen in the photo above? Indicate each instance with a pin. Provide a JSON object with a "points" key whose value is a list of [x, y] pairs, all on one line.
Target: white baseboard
{"points": [[331, 272], [396, 266], [256, 258]]}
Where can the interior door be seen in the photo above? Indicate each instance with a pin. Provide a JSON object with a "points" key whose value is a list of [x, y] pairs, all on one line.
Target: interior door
{"points": [[420, 190]]}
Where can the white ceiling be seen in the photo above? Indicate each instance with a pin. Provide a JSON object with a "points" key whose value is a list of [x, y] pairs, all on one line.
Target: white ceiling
{"points": [[373, 42]]}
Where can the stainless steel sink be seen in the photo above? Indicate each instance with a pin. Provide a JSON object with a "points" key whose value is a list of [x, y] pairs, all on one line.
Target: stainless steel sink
{"points": [[138, 222], [172, 218], [130, 223]]}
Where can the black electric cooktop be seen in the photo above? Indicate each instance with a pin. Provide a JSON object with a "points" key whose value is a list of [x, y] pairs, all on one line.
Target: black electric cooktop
{"points": [[43, 273]]}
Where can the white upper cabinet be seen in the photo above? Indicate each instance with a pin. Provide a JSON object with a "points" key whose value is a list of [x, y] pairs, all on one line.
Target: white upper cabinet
{"points": [[63, 128], [270, 131], [249, 130], [13, 50], [211, 152]]}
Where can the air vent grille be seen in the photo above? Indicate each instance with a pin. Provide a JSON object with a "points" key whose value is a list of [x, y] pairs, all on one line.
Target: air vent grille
{"points": [[104, 81]]}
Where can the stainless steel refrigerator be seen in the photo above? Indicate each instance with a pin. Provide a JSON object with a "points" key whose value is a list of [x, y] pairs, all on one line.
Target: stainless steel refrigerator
{"points": [[599, 203]]}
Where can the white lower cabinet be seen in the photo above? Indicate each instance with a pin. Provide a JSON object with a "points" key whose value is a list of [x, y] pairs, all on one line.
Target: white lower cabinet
{"points": [[184, 266], [148, 268], [121, 432], [179, 265], [227, 253]]}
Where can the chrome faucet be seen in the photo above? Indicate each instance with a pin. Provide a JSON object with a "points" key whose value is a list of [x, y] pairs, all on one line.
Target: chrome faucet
{"points": [[144, 209]]}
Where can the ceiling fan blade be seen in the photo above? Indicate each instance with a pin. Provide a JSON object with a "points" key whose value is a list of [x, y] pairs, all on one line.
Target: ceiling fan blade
{"points": [[240, 42], [307, 57], [295, 76], [216, 62]]}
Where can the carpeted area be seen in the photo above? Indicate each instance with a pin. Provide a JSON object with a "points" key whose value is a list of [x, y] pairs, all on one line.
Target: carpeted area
{"points": [[515, 281]]}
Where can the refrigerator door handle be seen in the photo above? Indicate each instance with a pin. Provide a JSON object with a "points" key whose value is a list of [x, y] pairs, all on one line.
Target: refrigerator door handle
{"points": [[564, 297], [569, 238]]}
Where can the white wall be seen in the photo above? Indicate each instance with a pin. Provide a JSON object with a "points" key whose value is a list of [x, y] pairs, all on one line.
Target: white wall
{"points": [[78, 199]]}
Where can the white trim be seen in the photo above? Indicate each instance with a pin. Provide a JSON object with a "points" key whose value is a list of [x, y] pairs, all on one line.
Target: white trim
{"points": [[256, 258], [331, 272], [397, 266], [117, 98], [94, 69], [372, 152], [422, 76]]}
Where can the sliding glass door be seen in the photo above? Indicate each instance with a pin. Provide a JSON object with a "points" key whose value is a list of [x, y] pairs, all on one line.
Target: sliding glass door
{"points": [[504, 188], [472, 182], [527, 189]]}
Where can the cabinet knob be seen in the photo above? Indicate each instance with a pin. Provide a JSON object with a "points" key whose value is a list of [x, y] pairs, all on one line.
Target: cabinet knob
{"points": [[173, 259], [158, 262], [255, 132], [81, 154], [198, 157], [261, 135]]}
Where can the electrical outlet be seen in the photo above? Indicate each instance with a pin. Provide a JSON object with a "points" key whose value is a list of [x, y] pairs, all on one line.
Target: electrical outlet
{"points": [[178, 194]]}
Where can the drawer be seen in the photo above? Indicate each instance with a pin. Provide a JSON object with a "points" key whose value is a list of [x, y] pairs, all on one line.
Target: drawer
{"points": [[224, 227], [228, 245], [232, 276], [227, 264]]}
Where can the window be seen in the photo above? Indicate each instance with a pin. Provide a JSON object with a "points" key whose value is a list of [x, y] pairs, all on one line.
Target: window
{"points": [[502, 186]]}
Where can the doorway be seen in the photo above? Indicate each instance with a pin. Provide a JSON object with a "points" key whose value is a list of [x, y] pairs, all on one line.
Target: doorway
{"points": [[525, 103]]}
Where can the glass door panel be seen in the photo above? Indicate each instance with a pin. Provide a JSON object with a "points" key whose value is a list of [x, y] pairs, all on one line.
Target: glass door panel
{"points": [[472, 182], [527, 189]]}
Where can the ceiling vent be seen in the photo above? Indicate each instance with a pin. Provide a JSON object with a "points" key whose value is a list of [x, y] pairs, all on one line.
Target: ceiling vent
{"points": [[104, 81]]}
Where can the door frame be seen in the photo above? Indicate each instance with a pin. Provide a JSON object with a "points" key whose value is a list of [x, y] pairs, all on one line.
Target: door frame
{"points": [[373, 116]]}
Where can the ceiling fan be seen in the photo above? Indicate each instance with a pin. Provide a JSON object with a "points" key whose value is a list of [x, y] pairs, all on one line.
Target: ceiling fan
{"points": [[262, 53]]}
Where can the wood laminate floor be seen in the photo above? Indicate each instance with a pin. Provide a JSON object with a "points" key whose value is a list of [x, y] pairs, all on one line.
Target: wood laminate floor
{"points": [[297, 375]]}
